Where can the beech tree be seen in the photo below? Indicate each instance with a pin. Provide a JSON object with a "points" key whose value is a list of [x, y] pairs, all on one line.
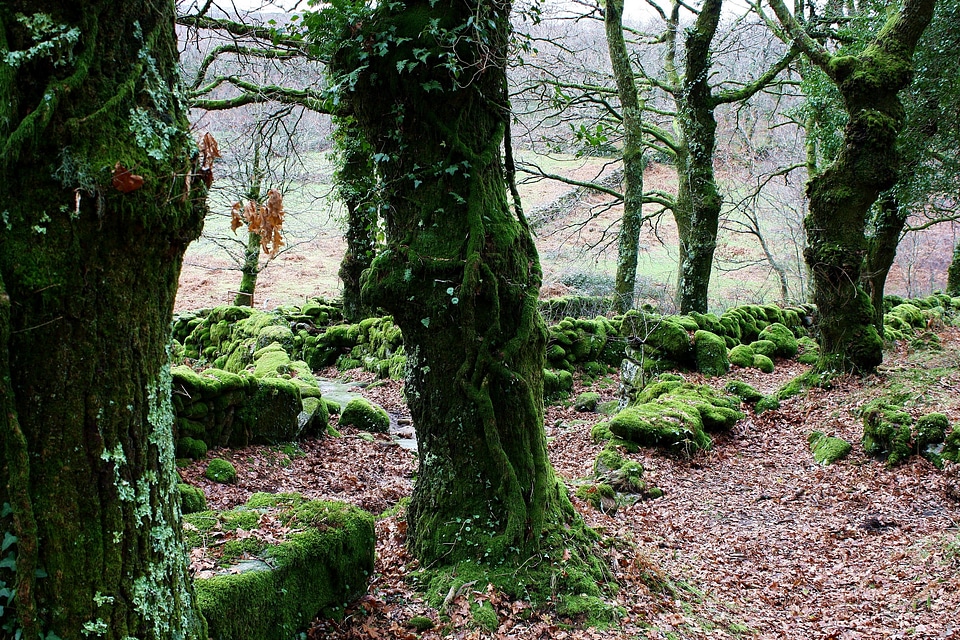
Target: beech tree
{"points": [[99, 196], [867, 164]]}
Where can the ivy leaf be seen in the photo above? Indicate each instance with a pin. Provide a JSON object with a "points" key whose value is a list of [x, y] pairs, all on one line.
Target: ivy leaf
{"points": [[433, 85], [8, 539]]}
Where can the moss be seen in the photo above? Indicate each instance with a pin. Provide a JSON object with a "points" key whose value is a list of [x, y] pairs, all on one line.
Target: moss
{"points": [[808, 351], [741, 356], [421, 623], [484, 615], [191, 448], [743, 391], [607, 460], [785, 344], [766, 403], [192, 499], [324, 564], [600, 432], [220, 470], [587, 401], [827, 449], [951, 445], [764, 347], [674, 425], [710, 352], [929, 430], [600, 496], [886, 432], [366, 416], [763, 363]]}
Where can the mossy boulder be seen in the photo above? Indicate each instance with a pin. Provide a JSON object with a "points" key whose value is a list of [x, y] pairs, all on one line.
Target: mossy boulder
{"points": [[766, 348], [743, 391], [766, 403], [270, 415], [764, 363], [808, 351], [741, 356], [930, 429], [557, 385], [192, 499], [222, 471], [827, 449], [324, 564], [785, 343], [587, 401], [365, 415], [191, 448], [886, 432], [951, 445], [710, 352]]}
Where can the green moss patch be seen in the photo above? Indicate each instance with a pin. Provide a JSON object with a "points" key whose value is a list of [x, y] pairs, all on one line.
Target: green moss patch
{"points": [[323, 563], [365, 415], [827, 449], [890, 432], [220, 470]]}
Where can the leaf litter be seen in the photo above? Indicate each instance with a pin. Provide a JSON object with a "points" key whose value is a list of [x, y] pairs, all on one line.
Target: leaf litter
{"points": [[752, 539]]}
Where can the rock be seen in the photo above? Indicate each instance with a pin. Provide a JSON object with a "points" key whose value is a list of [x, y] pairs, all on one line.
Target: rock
{"points": [[365, 415]]}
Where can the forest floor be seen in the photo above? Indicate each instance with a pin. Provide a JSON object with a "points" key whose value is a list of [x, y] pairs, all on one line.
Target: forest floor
{"points": [[752, 539]]}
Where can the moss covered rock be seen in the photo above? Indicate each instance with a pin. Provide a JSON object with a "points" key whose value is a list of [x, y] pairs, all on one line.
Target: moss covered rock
{"points": [[192, 499], [785, 343], [764, 363], [710, 352], [191, 448], [587, 401], [741, 355], [365, 415], [315, 571], [743, 391], [951, 445], [220, 470], [766, 403], [766, 348], [827, 449], [886, 432]]}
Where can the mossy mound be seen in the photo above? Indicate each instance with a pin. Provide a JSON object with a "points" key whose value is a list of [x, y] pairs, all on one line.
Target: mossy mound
{"points": [[675, 415], [766, 403], [764, 348], [808, 351], [784, 341], [710, 353], [323, 564], [557, 385], [951, 445], [662, 339], [891, 433], [623, 476], [192, 499], [222, 471], [741, 356], [827, 449], [365, 415], [743, 391], [587, 401], [764, 363]]}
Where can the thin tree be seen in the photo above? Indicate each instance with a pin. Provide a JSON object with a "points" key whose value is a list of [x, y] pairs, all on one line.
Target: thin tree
{"points": [[100, 192]]}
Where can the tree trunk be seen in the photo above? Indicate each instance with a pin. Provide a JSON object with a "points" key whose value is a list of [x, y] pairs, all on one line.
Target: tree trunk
{"points": [[89, 261], [881, 252], [842, 194], [953, 273], [628, 244], [356, 183], [250, 272], [460, 274], [698, 199]]}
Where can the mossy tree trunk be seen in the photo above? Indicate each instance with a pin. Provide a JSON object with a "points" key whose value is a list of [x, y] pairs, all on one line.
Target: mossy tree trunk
{"points": [[842, 194], [953, 273], [250, 269], [628, 238], [89, 261], [460, 274], [357, 185], [888, 223]]}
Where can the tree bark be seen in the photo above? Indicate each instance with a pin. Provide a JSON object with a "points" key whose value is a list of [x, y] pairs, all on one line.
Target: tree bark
{"points": [[89, 261], [628, 238], [698, 200], [357, 184], [460, 274], [881, 252], [842, 194], [953, 273]]}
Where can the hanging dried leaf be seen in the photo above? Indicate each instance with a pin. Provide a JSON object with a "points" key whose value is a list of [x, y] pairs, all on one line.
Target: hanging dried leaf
{"points": [[264, 220], [124, 180], [236, 220], [209, 151]]}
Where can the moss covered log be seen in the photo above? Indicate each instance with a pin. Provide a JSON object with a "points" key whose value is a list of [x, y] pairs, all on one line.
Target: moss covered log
{"points": [[100, 195]]}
